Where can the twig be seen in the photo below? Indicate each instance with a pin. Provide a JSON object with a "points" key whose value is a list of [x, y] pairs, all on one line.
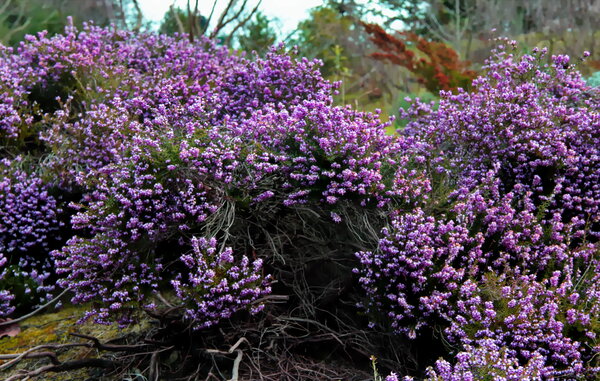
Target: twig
{"points": [[24, 317], [139, 16], [111, 347], [177, 20], [18, 357], [236, 363], [5, 7], [236, 366], [50, 355], [164, 300], [154, 373], [242, 23], [273, 298], [63, 367], [212, 11]]}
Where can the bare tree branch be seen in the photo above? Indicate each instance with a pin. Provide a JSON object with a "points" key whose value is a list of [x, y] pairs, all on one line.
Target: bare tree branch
{"points": [[5, 7], [18, 357], [221, 18], [236, 15], [63, 367], [242, 23], [139, 16], [177, 20], [212, 11]]}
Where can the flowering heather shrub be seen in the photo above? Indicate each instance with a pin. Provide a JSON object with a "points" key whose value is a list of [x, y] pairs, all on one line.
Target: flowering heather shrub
{"points": [[507, 250], [15, 120], [134, 206], [217, 286], [6, 297], [322, 153], [152, 135], [487, 361], [164, 190], [80, 83], [494, 195]]}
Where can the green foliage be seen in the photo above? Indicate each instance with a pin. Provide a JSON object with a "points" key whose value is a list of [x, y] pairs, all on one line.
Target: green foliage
{"points": [[594, 79], [177, 20], [257, 35], [22, 286], [21, 17], [321, 36]]}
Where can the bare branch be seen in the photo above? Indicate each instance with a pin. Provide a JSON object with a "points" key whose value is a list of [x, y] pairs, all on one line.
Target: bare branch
{"points": [[24, 317], [190, 21], [5, 7], [235, 15], [212, 11], [111, 347], [221, 18], [20, 356], [242, 23], [178, 20], [63, 367], [139, 16]]}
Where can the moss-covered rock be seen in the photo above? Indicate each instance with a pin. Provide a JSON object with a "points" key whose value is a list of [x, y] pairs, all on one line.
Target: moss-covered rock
{"points": [[55, 327]]}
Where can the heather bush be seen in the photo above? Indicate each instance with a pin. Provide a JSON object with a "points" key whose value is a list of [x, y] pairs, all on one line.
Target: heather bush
{"points": [[217, 286], [506, 250], [159, 192], [155, 140]]}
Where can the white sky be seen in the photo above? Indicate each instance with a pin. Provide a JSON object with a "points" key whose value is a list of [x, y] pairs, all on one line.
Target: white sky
{"points": [[288, 12]]}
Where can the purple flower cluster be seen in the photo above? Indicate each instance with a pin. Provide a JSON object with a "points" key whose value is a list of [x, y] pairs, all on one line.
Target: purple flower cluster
{"points": [[132, 207], [217, 285], [28, 225], [91, 91], [6, 297], [320, 153], [488, 361], [28, 213], [15, 118], [505, 250]]}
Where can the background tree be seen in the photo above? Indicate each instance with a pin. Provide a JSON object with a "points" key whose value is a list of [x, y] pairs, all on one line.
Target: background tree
{"points": [[235, 15], [178, 20], [257, 35], [21, 17], [333, 33], [436, 65], [565, 26]]}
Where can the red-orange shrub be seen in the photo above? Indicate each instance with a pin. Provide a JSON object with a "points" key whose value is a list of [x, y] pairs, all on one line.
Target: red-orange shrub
{"points": [[440, 69]]}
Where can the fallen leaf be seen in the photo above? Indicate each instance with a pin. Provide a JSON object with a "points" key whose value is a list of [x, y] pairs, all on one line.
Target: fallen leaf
{"points": [[10, 330]]}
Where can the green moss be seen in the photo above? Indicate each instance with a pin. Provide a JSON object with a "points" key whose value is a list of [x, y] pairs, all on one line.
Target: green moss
{"points": [[55, 328]]}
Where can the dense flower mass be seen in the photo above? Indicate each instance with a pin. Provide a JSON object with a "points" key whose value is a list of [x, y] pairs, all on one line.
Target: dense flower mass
{"points": [[506, 258], [150, 136], [29, 225], [217, 286], [488, 361], [6, 297], [28, 213]]}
